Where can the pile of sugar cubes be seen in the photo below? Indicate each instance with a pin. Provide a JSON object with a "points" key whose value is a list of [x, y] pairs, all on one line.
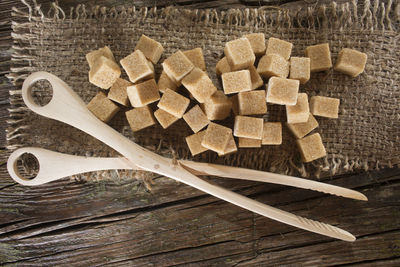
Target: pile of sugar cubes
{"points": [[240, 81]]}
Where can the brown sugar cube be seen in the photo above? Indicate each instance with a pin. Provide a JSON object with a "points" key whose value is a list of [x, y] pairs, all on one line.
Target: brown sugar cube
{"points": [[165, 82], [257, 42], [235, 104], [164, 118], [279, 47], [151, 49], [194, 143], [222, 66], [137, 66], [239, 53], [92, 56], [177, 66], [104, 73], [216, 137], [300, 69], [282, 91], [102, 107], [199, 85], [299, 112], [300, 130], [196, 119], [249, 142], [311, 147], [351, 62], [218, 106], [255, 77], [230, 147], [248, 127], [252, 103], [196, 57], [173, 103], [140, 118], [325, 106], [236, 81], [273, 65], [118, 92], [272, 133], [320, 57], [144, 93]]}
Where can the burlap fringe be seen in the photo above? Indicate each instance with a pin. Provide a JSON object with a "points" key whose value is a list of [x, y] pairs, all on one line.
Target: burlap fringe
{"points": [[374, 15]]}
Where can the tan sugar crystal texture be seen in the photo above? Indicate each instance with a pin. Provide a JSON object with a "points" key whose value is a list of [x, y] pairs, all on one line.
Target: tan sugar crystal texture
{"points": [[216, 137], [165, 82], [325, 106], [196, 119], [300, 69], [140, 118], [273, 65], [222, 66], [257, 42], [199, 85], [248, 127], [279, 47], [282, 91], [249, 142], [272, 133], [196, 57], [194, 143], [351, 62], [239, 53], [218, 106], [256, 80], [300, 130], [173, 103], [144, 93], [235, 104], [320, 57], [164, 118], [104, 73], [311, 147], [236, 81], [118, 92], [299, 112], [252, 103], [137, 67], [177, 66], [151, 49], [92, 56], [102, 107], [230, 147]]}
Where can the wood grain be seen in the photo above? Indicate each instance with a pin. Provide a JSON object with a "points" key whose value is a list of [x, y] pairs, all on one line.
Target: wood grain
{"points": [[120, 223]]}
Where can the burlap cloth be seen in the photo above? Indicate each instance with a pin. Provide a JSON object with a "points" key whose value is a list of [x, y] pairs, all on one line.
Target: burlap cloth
{"points": [[366, 135]]}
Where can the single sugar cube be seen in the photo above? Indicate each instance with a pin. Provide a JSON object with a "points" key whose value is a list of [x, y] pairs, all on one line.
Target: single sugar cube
{"points": [[299, 112], [257, 42], [300, 69], [196, 119], [230, 147], [236, 81], [194, 143], [150, 48], [104, 73], [216, 137], [144, 93], [218, 106], [248, 127], [164, 118], [273, 65], [199, 85], [177, 66], [173, 103], [92, 56], [351, 62], [249, 142], [282, 91], [272, 133], [222, 66], [325, 106], [102, 107], [137, 67], [196, 57], [279, 47], [165, 82], [252, 103], [118, 92], [140, 118], [255, 77], [239, 53], [235, 104], [300, 130], [311, 147], [320, 57]]}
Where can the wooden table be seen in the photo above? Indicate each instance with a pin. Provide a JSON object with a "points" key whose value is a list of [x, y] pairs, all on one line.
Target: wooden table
{"points": [[121, 223]]}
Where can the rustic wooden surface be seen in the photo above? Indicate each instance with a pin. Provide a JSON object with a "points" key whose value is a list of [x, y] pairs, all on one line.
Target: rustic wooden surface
{"points": [[120, 223]]}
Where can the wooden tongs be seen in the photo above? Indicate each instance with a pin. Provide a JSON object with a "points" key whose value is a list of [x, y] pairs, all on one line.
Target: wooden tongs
{"points": [[66, 106]]}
